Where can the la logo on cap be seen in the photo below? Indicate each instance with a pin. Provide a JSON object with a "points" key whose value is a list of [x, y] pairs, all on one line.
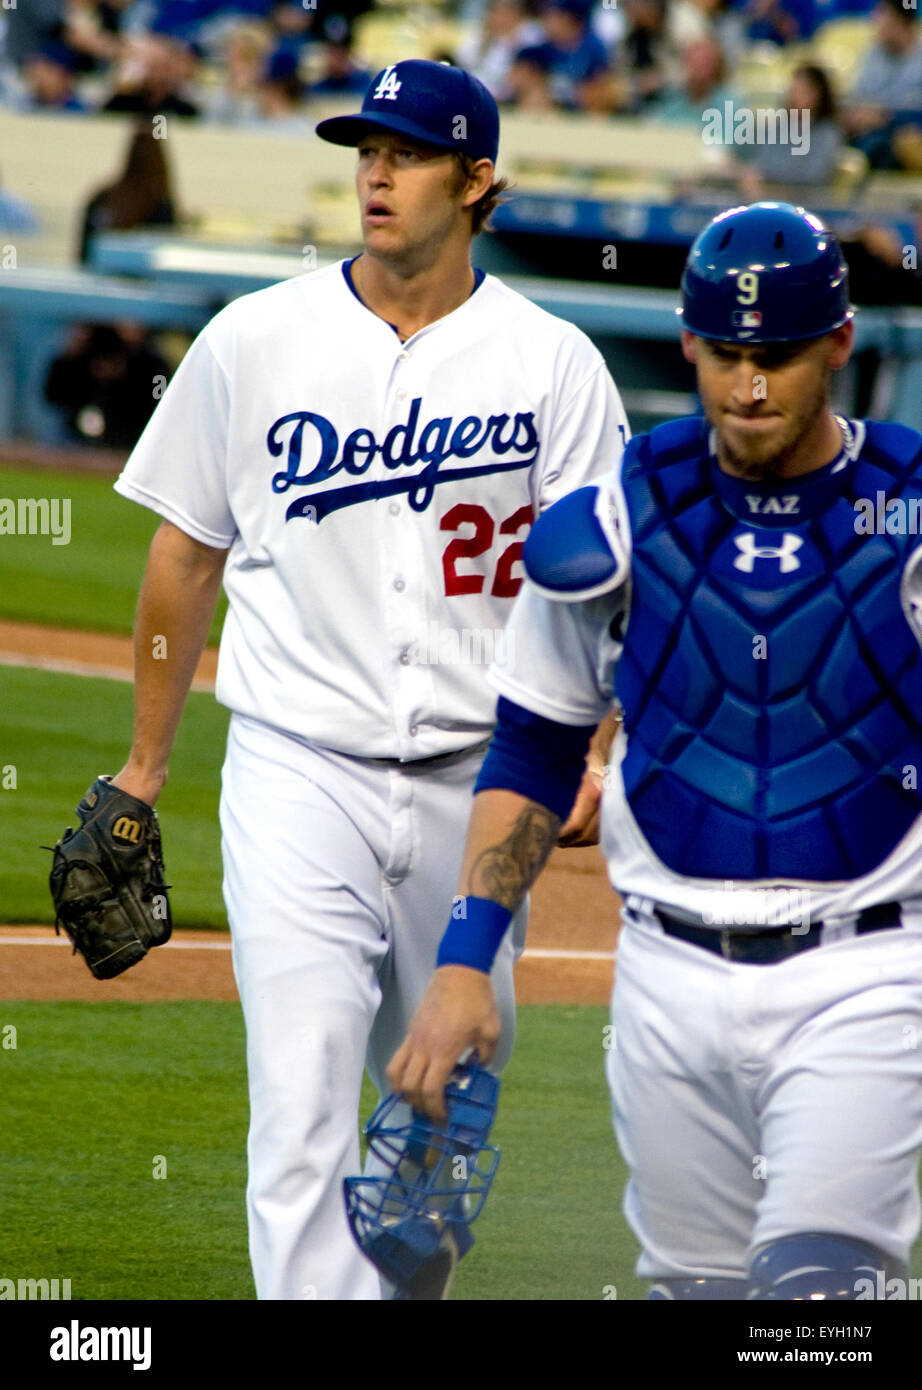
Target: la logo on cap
{"points": [[389, 85]]}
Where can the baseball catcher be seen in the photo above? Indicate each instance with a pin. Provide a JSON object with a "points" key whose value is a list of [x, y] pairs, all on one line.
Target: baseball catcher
{"points": [[107, 881], [750, 582]]}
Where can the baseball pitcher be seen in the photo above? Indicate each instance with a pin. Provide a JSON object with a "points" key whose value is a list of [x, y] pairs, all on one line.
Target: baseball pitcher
{"points": [[359, 453]]}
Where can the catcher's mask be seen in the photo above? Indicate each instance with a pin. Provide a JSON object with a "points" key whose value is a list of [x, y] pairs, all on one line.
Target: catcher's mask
{"points": [[412, 1220]]}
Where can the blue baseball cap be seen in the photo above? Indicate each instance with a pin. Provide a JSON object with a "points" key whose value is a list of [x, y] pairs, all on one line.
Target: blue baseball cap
{"points": [[431, 102]]}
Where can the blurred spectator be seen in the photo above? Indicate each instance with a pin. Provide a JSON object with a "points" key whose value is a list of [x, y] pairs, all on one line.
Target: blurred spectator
{"points": [[30, 26], [49, 76], [727, 23], [246, 50], [15, 215], [140, 197], [651, 54], [91, 29], [341, 75], [573, 57], [297, 23], [294, 24], [779, 21], [281, 93], [704, 85], [881, 269], [529, 81], [181, 19], [810, 93], [152, 76], [507, 29], [107, 383], [888, 86]]}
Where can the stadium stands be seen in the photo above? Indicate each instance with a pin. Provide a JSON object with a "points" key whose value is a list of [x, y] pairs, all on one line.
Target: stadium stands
{"points": [[582, 182]]}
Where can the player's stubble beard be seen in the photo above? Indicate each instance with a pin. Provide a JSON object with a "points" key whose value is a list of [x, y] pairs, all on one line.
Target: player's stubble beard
{"points": [[776, 455]]}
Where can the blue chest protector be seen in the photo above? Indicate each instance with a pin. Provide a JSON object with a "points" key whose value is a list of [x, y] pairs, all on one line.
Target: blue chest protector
{"points": [[771, 682]]}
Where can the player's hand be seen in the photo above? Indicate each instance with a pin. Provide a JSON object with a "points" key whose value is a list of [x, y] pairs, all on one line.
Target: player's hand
{"points": [[582, 824], [457, 1012]]}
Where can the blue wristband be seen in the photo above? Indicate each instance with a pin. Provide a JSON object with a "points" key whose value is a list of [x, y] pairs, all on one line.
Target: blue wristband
{"points": [[474, 934]]}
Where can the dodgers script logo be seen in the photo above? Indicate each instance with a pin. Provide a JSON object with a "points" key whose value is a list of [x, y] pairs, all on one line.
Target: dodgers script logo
{"points": [[304, 436]]}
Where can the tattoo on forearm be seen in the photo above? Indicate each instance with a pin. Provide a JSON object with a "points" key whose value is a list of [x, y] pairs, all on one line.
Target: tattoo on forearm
{"points": [[506, 871]]}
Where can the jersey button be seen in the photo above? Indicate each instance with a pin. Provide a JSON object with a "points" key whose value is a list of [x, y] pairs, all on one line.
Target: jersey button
{"points": [[404, 658], [401, 394], [394, 509], [412, 731], [404, 357], [399, 585]]}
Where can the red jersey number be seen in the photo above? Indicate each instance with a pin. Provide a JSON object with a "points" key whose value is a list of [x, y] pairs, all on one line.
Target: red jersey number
{"points": [[505, 585]]}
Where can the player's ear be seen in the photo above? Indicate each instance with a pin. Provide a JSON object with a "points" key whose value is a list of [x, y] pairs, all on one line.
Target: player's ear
{"points": [[841, 341], [689, 346], [479, 182]]}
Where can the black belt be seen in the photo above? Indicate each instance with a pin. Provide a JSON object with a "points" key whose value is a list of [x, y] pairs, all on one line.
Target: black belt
{"points": [[769, 945], [456, 754]]}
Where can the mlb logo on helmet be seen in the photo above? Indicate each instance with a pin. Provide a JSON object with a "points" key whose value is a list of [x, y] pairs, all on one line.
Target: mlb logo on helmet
{"points": [[747, 318], [434, 103]]}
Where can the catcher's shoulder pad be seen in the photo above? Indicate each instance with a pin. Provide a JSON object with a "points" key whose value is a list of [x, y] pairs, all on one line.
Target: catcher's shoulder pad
{"points": [[576, 550], [899, 444]]}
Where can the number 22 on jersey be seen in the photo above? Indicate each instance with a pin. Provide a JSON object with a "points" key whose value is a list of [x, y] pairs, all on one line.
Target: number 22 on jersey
{"points": [[504, 584]]}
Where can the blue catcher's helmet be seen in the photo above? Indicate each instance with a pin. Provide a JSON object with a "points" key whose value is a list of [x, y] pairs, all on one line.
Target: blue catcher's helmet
{"points": [[768, 273], [412, 1220]]}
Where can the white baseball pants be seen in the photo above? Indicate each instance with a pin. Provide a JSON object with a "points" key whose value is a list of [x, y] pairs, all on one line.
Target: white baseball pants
{"points": [[753, 1102], [339, 875]]}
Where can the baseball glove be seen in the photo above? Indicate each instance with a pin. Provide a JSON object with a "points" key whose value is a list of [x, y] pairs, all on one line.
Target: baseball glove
{"points": [[107, 881]]}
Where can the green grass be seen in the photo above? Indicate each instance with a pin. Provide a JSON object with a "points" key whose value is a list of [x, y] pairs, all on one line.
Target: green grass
{"points": [[94, 1094], [92, 582], [59, 733], [552, 1227]]}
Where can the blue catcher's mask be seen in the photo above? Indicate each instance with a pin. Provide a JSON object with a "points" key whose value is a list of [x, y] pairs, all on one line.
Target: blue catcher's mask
{"points": [[412, 1221]]}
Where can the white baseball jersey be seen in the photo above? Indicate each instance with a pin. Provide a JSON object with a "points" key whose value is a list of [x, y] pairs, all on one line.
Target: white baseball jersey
{"points": [[374, 496]]}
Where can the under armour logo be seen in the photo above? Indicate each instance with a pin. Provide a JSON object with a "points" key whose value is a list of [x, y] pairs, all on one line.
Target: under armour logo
{"points": [[389, 85], [785, 553]]}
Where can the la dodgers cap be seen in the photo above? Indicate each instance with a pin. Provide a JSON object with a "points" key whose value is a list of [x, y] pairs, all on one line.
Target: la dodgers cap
{"points": [[435, 103]]}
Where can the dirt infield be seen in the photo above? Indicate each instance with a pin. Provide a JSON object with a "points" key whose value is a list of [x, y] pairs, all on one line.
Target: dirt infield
{"points": [[80, 653], [571, 935]]}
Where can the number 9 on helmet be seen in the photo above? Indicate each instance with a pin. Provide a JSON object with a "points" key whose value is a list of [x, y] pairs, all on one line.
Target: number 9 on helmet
{"points": [[768, 273]]}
